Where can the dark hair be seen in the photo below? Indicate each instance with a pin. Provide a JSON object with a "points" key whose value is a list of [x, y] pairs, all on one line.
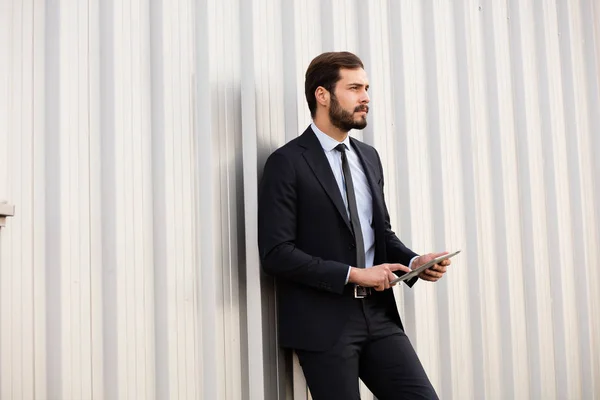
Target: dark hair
{"points": [[324, 70]]}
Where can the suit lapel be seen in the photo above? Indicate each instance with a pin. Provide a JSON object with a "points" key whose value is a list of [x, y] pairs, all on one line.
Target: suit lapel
{"points": [[317, 161], [370, 167]]}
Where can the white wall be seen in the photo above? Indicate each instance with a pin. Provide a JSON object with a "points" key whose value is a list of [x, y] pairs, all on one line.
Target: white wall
{"points": [[132, 137]]}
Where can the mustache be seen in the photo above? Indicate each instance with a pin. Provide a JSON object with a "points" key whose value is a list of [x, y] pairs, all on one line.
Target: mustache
{"points": [[364, 108]]}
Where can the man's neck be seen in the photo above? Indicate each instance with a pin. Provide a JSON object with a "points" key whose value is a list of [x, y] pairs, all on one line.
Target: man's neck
{"points": [[330, 130]]}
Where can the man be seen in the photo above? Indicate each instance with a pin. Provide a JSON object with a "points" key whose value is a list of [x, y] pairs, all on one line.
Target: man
{"points": [[325, 234]]}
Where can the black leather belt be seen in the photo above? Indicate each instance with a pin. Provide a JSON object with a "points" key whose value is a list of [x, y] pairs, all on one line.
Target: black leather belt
{"points": [[360, 292]]}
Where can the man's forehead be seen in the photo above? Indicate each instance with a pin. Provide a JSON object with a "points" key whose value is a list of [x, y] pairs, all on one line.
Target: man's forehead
{"points": [[357, 75]]}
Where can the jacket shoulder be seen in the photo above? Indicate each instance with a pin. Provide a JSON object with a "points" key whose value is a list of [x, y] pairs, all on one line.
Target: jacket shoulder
{"points": [[291, 147], [365, 148], [295, 147]]}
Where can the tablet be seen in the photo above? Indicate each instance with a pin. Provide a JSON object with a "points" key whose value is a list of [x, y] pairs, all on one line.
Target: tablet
{"points": [[416, 272]]}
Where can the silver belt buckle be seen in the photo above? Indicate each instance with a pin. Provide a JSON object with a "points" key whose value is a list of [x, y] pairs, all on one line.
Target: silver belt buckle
{"points": [[360, 292]]}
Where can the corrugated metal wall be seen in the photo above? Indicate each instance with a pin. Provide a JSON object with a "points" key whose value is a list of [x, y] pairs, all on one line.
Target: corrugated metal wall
{"points": [[132, 136]]}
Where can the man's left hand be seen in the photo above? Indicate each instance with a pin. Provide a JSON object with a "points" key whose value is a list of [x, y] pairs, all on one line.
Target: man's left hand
{"points": [[436, 271]]}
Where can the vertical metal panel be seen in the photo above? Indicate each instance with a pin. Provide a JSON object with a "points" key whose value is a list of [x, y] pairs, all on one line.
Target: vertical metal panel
{"points": [[39, 227], [132, 139]]}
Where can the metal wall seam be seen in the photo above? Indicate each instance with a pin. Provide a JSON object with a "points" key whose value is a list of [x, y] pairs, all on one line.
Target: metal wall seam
{"points": [[103, 50], [576, 120], [39, 358], [124, 197], [67, 35], [268, 101], [96, 256], [532, 207], [212, 292], [10, 365], [466, 149], [593, 57], [26, 256], [6, 43], [164, 384], [52, 185], [591, 17], [458, 383], [422, 328], [410, 204], [135, 191], [481, 102], [183, 332], [83, 188], [588, 253], [218, 138], [165, 107], [146, 270], [565, 327], [504, 142], [229, 141], [396, 143], [205, 158], [148, 301], [255, 372], [505, 200], [183, 136]]}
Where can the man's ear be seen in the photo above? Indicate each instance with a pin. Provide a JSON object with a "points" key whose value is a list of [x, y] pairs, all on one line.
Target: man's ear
{"points": [[323, 96]]}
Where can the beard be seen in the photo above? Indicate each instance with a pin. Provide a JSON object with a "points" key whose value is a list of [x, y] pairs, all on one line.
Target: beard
{"points": [[343, 119]]}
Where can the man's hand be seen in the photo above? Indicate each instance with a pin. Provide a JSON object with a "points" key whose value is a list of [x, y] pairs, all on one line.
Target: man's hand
{"points": [[435, 272], [378, 276]]}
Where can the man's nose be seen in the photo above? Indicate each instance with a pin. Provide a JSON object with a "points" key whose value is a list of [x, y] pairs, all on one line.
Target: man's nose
{"points": [[365, 98]]}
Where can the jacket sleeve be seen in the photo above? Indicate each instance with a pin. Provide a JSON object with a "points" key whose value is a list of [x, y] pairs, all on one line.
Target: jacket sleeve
{"points": [[277, 216]]}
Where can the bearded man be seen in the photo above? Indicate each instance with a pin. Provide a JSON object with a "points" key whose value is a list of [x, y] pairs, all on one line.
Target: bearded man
{"points": [[325, 235]]}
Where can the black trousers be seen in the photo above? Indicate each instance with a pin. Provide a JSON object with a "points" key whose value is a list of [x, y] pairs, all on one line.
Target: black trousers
{"points": [[373, 348]]}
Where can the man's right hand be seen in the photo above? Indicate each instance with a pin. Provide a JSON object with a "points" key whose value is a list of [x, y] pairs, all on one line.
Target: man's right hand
{"points": [[377, 277]]}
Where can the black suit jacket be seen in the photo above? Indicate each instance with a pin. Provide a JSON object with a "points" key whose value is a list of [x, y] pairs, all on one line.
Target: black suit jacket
{"points": [[306, 241]]}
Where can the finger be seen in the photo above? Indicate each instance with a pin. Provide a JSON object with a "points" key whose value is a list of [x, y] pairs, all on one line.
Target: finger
{"points": [[398, 267], [432, 274], [434, 271], [426, 277], [438, 268]]}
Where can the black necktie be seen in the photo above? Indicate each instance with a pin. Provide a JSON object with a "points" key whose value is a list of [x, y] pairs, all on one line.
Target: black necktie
{"points": [[354, 219]]}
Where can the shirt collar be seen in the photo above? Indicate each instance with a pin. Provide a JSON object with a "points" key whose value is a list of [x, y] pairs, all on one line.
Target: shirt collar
{"points": [[327, 142]]}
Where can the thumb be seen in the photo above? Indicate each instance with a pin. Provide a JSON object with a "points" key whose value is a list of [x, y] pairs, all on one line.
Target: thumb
{"points": [[398, 267]]}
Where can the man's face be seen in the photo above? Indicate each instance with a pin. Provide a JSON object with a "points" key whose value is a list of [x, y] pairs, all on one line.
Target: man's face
{"points": [[348, 106]]}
